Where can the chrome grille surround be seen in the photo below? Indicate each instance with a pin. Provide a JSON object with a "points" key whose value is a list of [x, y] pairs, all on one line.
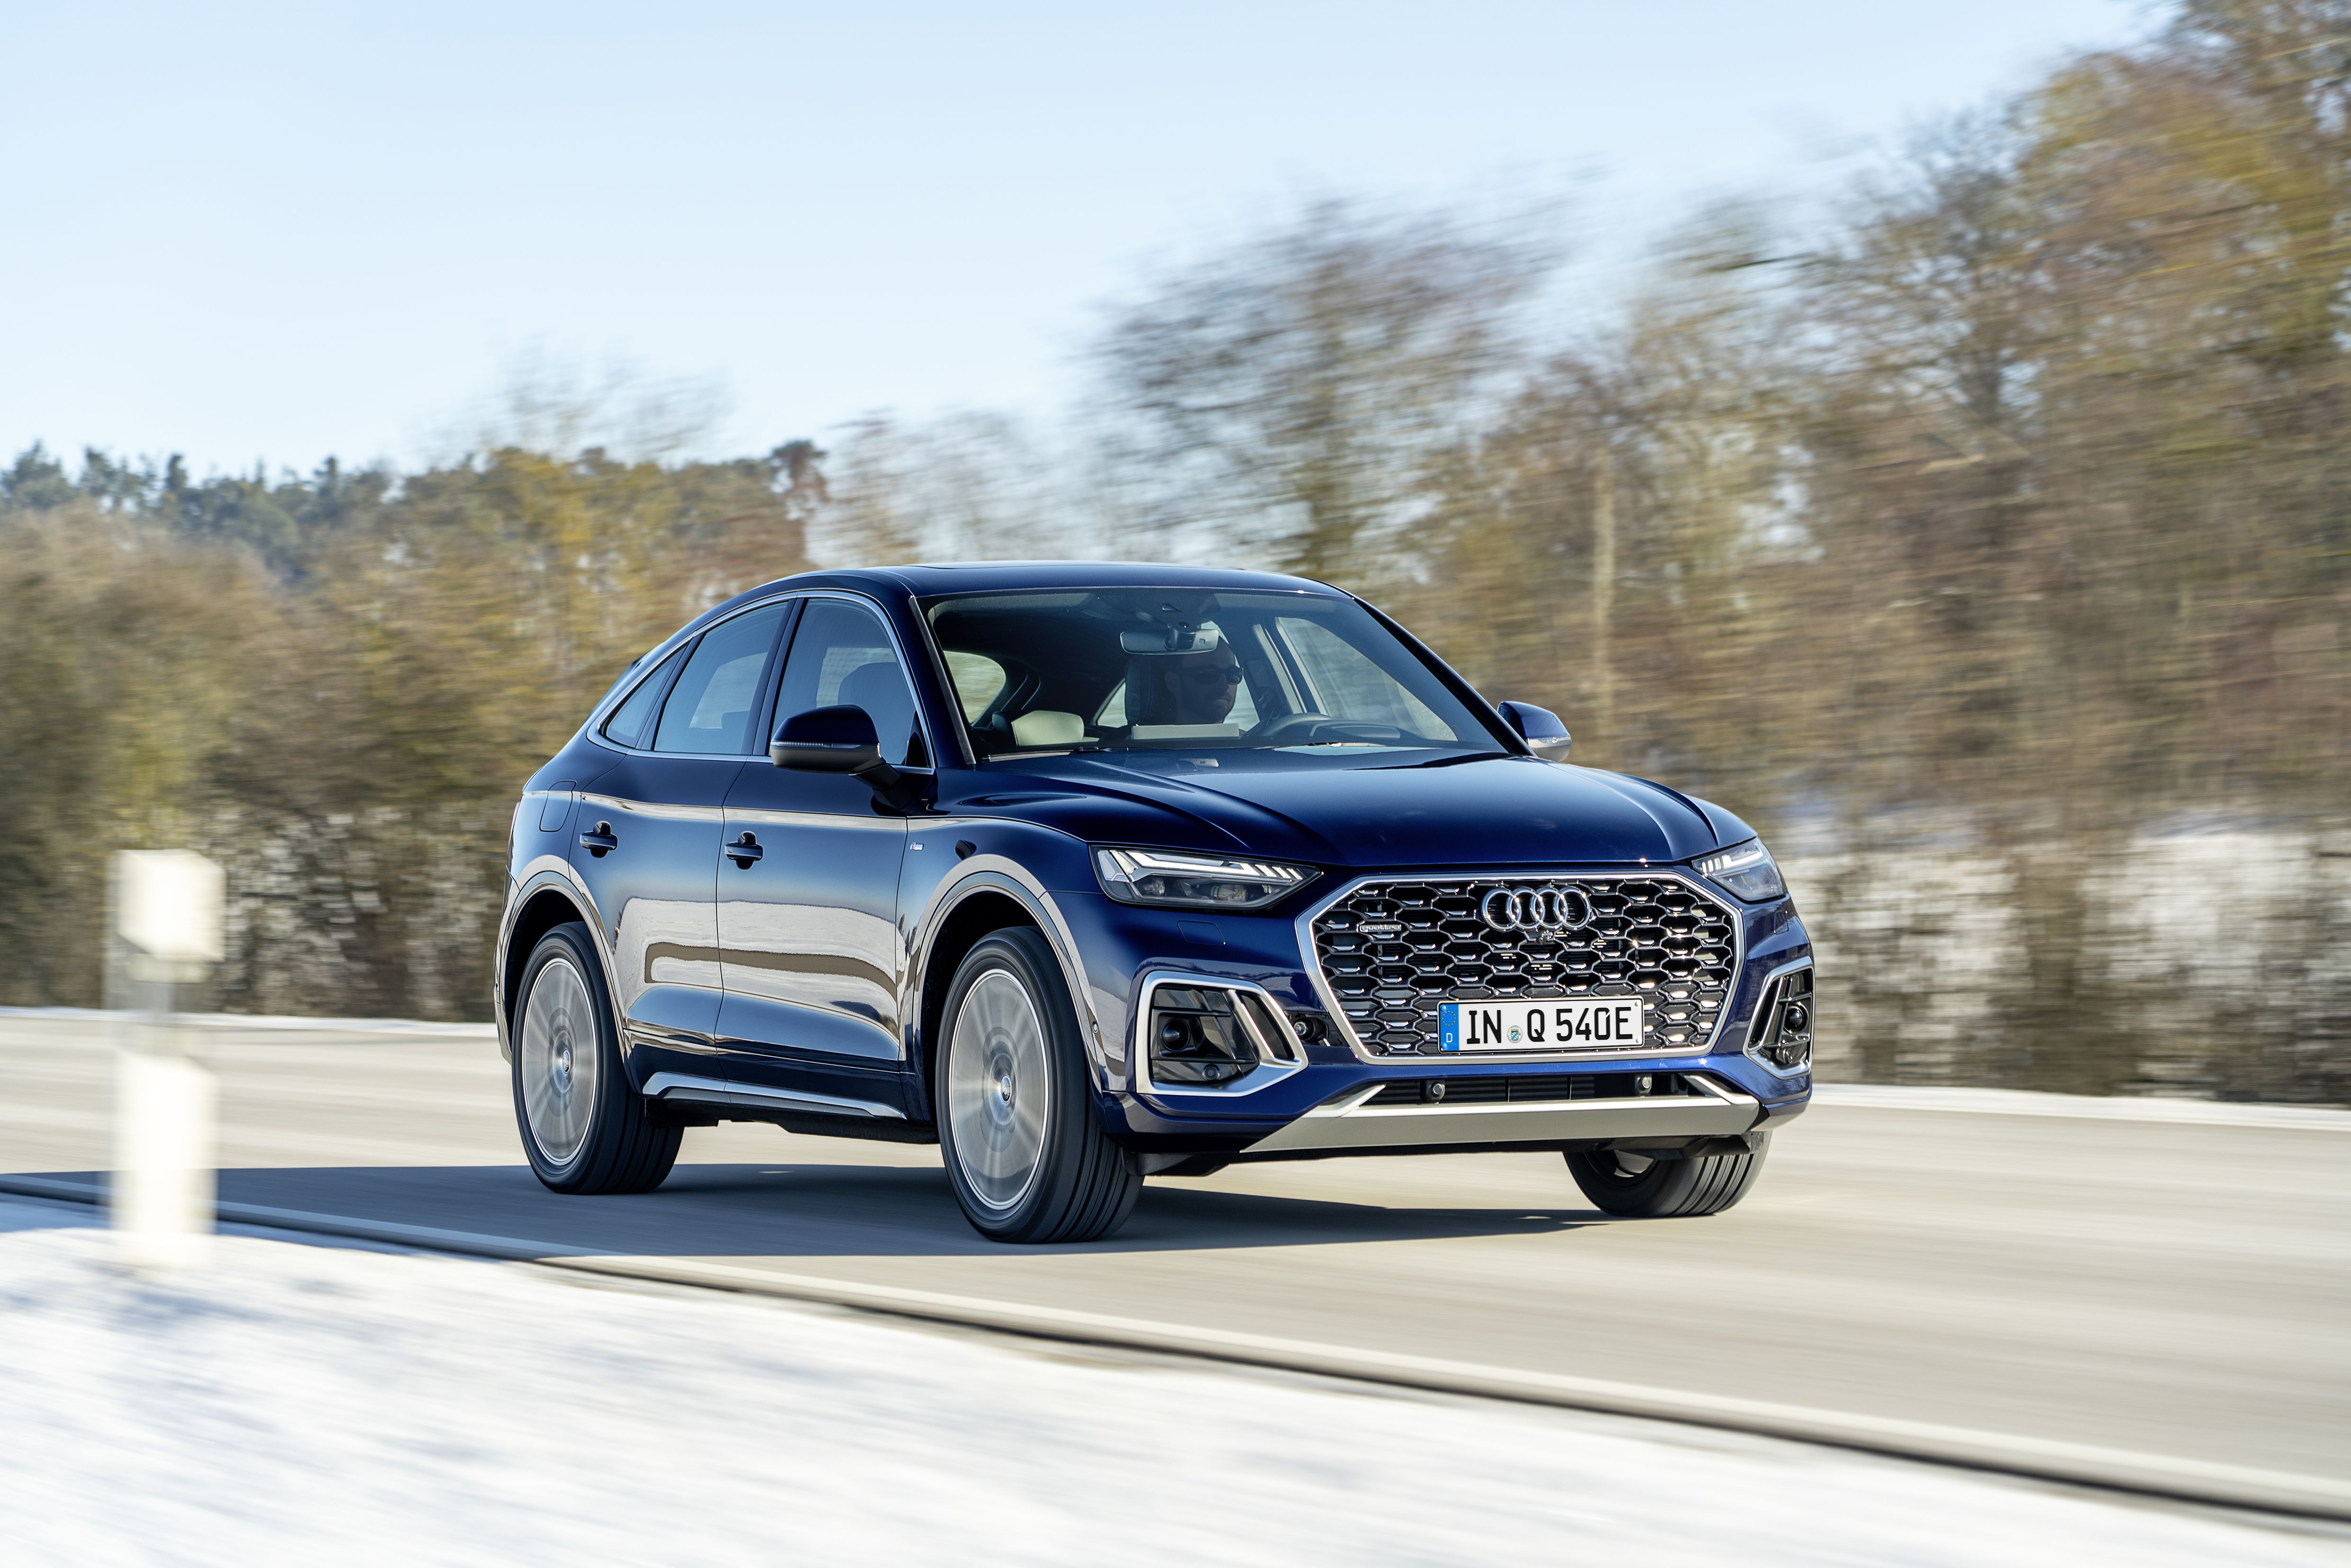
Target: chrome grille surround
{"points": [[1661, 933]]}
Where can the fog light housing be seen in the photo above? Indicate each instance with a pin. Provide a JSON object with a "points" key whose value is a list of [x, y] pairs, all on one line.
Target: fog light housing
{"points": [[1781, 1038], [1208, 1036], [1196, 1037]]}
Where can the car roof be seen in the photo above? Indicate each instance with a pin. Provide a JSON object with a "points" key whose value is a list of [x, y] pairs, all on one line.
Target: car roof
{"points": [[1002, 576]]}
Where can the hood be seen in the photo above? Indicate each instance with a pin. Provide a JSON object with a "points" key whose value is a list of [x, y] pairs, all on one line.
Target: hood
{"points": [[1491, 810]]}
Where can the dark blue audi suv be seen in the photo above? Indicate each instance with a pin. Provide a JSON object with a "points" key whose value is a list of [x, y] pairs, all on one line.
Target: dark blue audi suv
{"points": [[1092, 872]]}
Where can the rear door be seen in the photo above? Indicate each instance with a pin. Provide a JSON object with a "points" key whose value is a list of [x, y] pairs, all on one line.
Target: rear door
{"points": [[815, 963], [646, 836]]}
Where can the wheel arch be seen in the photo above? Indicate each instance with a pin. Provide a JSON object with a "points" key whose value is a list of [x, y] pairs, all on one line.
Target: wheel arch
{"points": [[961, 928], [541, 911]]}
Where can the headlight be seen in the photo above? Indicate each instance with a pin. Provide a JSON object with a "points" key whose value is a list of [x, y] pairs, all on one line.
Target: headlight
{"points": [[1747, 870], [1194, 882]]}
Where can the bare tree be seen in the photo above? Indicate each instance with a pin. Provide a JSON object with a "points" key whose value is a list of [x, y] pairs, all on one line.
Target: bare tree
{"points": [[1296, 390]]}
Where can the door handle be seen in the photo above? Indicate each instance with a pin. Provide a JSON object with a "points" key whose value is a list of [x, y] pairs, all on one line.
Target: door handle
{"points": [[744, 851], [600, 841]]}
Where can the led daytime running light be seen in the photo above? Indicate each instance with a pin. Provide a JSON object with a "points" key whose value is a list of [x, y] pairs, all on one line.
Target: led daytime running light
{"points": [[1747, 870], [1176, 880]]}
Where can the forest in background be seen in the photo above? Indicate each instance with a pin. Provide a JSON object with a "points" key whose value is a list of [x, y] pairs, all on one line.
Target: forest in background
{"points": [[1987, 544]]}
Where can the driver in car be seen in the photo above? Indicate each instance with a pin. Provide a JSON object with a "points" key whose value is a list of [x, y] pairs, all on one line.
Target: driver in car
{"points": [[1190, 689]]}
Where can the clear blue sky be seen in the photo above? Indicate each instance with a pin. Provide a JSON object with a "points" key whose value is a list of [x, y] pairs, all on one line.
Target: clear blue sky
{"points": [[261, 232]]}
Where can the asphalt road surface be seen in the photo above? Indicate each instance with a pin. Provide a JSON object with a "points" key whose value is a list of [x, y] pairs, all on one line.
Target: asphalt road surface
{"points": [[2173, 1289]]}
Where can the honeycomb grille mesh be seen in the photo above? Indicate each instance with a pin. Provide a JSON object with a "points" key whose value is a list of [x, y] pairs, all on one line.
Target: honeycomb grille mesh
{"points": [[1393, 950]]}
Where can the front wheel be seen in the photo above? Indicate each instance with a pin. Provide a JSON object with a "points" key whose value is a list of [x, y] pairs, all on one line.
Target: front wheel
{"points": [[1634, 1185], [585, 1129], [1025, 1151]]}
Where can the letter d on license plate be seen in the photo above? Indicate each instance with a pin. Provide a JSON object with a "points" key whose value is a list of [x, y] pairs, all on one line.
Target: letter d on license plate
{"points": [[1607, 1023]]}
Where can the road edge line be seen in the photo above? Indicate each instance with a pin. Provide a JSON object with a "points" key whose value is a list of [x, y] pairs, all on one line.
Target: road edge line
{"points": [[2037, 1459]]}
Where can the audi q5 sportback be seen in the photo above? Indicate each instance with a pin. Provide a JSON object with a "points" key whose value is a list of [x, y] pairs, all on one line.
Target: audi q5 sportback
{"points": [[1089, 873]]}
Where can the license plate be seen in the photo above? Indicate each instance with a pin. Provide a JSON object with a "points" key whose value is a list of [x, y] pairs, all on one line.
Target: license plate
{"points": [[1605, 1023]]}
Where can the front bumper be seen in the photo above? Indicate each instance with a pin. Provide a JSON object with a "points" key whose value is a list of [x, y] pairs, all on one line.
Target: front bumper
{"points": [[1325, 1103], [1334, 1108]]}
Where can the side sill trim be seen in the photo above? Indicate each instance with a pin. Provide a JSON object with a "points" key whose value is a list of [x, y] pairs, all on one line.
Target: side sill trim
{"points": [[684, 1087]]}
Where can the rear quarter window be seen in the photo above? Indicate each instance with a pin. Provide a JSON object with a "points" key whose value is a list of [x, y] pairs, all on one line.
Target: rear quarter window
{"points": [[630, 721]]}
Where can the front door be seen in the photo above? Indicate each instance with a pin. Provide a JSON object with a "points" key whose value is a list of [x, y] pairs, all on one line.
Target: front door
{"points": [[647, 833], [815, 965]]}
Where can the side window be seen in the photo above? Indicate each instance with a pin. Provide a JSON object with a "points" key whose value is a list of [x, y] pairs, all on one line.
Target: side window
{"points": [[841, 654], [977, 678], [633, 717], [710, 709]]}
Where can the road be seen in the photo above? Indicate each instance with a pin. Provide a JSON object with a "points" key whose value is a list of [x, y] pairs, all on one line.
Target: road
{"points": [[2167, 1287]]}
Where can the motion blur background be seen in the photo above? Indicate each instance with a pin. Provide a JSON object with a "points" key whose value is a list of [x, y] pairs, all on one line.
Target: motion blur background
{"points": [[1968, 504]]}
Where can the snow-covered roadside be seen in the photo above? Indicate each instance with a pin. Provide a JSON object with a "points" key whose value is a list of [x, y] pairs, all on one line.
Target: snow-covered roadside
{"points": [[310, 1404]]}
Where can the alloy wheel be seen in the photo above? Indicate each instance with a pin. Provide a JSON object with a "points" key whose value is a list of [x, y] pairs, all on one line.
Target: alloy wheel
{"points": [[998, 1089], [559, 1061]]}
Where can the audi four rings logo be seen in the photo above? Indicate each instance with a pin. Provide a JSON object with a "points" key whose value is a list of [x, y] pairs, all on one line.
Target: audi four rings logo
{"points": [[1534, 908]]}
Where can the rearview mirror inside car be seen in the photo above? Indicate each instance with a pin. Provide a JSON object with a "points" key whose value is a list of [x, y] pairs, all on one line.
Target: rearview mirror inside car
{"points": [[1541, 728], [1177, 639]]}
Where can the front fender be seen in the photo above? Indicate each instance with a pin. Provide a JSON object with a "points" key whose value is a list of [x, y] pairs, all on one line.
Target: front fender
{"points": [[937, 881]]}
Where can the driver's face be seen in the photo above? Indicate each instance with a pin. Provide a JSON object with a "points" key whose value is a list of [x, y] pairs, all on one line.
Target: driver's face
{"points": [[1203, 685]]}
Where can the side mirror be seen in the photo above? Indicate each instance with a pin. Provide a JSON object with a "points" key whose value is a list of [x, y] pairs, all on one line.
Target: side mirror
{"points": [[1541, 728], [828, 740], [839, 740]]}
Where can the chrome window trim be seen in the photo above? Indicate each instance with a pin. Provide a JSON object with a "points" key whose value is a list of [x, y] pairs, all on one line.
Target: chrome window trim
{"points": [[1312, 958], [594, 728], [1761, 996], [1269, 1073], [595, 725]]}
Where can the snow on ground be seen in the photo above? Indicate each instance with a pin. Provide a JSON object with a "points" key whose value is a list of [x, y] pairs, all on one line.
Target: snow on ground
{"points": [[317, 1403]]}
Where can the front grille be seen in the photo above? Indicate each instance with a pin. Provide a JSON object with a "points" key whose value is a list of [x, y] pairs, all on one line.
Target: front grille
{"points": [[1520, 1088], [1392, 951]]}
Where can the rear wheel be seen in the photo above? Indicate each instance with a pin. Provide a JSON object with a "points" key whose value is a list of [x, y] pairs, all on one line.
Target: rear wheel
{"points": [[585, 1129], [1024, 1149], [1635, 1186]]}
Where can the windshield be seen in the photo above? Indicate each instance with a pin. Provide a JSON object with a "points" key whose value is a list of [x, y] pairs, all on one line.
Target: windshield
{"points": [[1190, 670]]}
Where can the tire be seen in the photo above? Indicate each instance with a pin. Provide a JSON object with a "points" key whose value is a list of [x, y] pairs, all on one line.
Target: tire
{"points": [[1013, 1102], [584, 1127], [1665, 1189]]}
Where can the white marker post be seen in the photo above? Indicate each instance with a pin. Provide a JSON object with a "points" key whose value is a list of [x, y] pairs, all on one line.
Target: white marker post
{"points": [[167, 931]]}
